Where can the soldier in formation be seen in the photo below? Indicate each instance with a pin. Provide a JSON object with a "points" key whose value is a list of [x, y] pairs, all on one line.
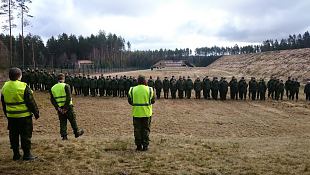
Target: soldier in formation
{"points": [[189, 85], [197, 88], [86, 85], [158, 87], [166, 87]]}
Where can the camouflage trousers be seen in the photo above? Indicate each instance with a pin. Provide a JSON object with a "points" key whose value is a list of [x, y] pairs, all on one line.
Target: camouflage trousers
{"points": [[142, 130], [63, 118]]}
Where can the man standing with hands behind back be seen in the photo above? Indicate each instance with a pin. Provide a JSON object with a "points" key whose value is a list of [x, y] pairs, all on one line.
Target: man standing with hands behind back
{"points": [[62, 101], [19, 106], [141, 98]]}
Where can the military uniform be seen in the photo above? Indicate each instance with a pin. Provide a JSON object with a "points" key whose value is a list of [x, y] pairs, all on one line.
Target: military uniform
{"points": [[271, 88], [198, 88], [76, 84], [100, 83], [62, 101], [127, 85], [173, 88], [134, 82], [32, 79], [279, 90], [215, 88], [189, 85], [288, 87], [114, 86], [262, 87], [85, 86], [93, 86], [233, 84], [108, 86], [242, 88], [295, 89], [151, 83], [18, 106], [141, 98], [253, 89], [223, 88], [166, 87], [180, 87], [158, 87], [206, 87], [121, 86]]}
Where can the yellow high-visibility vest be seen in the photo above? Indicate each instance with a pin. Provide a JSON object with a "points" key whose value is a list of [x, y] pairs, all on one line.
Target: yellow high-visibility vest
{"points": [[141, 96], [13, 93], [59, 94]]}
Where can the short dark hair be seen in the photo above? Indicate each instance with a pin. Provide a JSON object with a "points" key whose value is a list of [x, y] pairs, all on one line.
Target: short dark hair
{"points": [[141, 79], [60, 76], [15, 73]]}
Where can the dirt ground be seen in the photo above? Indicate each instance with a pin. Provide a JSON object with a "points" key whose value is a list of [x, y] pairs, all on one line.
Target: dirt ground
{"points": [[187, 137]]}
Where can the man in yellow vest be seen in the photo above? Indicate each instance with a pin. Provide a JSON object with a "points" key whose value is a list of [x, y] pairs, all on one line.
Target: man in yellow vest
{"points": [[19, 106], [141, 98], [62, 101]]}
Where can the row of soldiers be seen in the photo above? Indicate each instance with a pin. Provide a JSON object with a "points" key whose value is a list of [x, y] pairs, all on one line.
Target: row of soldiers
{"points": [[181, 87]]}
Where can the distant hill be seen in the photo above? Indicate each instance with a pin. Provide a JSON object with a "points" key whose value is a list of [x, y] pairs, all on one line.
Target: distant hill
{"points": [[294, 63]]}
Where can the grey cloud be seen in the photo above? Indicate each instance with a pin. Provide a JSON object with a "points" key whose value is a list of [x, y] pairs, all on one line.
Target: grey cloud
{"points": [[192, 27], [116, 7], [258, 19], [274, 22]]}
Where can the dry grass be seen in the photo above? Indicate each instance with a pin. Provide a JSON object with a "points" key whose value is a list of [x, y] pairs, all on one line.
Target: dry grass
{"points": [[187, 137], [295, 63]]}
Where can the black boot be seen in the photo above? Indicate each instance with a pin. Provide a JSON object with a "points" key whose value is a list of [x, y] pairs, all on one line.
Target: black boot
{"points": [[79, 133], [64, 137], [28, 156], [139, 148], [16, 155], [145, 148]]}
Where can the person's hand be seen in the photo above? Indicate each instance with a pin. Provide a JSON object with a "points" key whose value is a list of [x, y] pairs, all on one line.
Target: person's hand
{"points": [[64, 111], [60, 110]]}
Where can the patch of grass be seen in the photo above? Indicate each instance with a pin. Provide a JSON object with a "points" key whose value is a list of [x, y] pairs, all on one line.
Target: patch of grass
{"points": [[117, 145]]}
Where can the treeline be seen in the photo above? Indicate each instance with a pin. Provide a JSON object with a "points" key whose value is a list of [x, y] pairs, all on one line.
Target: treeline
{"points": [[112, 51], [105, 50], [34, 49], [292, 42]]}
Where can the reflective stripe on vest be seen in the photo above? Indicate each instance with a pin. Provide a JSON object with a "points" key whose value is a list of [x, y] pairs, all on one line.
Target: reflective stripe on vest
{"points": [[59, 94], [13, 93], [141, 96]]}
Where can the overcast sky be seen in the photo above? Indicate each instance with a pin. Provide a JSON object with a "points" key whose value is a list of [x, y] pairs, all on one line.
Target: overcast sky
{"points": [[154, 24]]}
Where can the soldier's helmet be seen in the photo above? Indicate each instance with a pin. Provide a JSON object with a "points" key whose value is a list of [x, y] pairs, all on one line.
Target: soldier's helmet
{"points": [[150, 77]]}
